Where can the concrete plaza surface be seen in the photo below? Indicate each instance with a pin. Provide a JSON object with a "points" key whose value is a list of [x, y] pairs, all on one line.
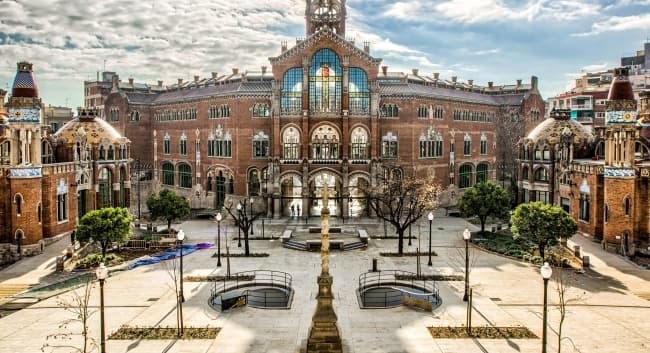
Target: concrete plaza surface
{"points": [[609, 313]]}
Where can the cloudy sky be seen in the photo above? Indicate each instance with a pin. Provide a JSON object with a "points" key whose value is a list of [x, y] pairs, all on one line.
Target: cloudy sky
{"points": [[486, 40]]}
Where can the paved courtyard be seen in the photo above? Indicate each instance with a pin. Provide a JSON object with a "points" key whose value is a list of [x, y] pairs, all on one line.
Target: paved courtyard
{"points": [[609, 315]]}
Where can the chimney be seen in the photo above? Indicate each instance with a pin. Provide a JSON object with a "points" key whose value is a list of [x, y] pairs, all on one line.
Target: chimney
{"points": [[518, 83], [533, 82], [366, 47], [384, 69], [284, 46], [470, 83], [131, 81], [490, 84], [180, 81], [436, 75], [196, 78], [415, 72], [454, 79], [263, 70], [215, 75], [235, 71], [160, 83]]}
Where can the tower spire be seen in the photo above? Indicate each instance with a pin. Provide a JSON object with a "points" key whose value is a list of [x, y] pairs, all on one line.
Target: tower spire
{"points": [[321, 14]]}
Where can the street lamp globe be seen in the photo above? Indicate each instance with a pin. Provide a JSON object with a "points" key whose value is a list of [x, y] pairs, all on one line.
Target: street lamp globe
{"points": [[219, 217], [430, 216], [546, 271], [252, 200], [101, 272], [467, 235], [180, 235], [239, 207]]}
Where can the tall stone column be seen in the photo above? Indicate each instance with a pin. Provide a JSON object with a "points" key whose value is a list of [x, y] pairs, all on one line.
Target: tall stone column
{"points": [[324, 336]]}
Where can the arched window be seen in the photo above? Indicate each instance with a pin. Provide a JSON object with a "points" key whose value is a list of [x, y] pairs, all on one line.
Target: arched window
{"points": [[220, 144], [389, 146], [182, 145], [627, 205], [253, 183], [185, 176], [359, 143], [481, 172], [389, 111], [359, 92], [111, 153], [606, 213], [168, 174], [325, 143], [261, 145], [291, 143], [167, 147], [261, 110], [525, 174], [102, 153], [325, 82], [541, 174], [431, 144], [39, 213], [546, 154], [585, 207], [467, 145], [123, 200], [423, 111], [292, 92], [484, 142], [18, 199], [465, 176], [105, 188], [220, 190]]}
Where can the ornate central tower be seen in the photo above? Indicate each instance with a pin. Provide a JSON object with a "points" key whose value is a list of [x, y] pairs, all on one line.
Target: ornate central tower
{"points": [[325, 13]]}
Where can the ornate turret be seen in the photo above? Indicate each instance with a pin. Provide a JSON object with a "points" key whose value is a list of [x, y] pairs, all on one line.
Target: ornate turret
{"points": [[4, 116], [325, 14], [24, 83]]}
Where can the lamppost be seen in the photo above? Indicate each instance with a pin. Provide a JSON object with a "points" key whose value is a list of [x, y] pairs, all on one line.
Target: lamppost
{"points": [[180, 236], [546, 272], [102, 274], [219, 217], [252, 201], [430, 225], [467, 235], [239, 225]]}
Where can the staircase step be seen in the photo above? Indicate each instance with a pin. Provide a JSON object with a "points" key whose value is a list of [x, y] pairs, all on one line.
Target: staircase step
{"points": [[354, 246]]}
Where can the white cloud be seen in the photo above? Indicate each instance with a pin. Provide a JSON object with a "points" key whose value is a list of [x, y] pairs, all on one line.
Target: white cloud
{"points": [[487, 52], [618, 24], [595, 67]]}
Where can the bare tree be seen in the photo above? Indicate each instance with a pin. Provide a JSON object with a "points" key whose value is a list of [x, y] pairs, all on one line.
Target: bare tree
{"points": [[563, 282], [76, 304], [402, 201], [244, 219], [172, 267]]}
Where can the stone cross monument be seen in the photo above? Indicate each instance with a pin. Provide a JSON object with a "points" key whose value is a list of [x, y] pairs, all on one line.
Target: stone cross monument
{"points": [[324, 336]]}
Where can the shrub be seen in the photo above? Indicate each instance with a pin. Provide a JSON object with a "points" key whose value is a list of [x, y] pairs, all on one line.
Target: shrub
{"points": [[94, 260]]}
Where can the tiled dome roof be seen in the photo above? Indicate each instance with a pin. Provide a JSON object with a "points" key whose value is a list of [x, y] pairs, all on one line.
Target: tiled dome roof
{"points": [[553, 128], [24, 83], [94, 128]]}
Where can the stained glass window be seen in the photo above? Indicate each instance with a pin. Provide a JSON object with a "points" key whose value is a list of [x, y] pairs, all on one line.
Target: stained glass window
{"points": [[359, 92], [292, 92], [325, 82]]}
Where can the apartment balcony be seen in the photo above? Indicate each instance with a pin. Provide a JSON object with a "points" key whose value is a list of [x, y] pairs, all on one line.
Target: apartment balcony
{"points": [[585, 106]]}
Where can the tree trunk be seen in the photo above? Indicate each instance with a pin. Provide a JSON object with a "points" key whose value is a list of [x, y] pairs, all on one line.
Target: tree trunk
{"points": [[482, 219], [169, 226], [541, 252], [246, 248], [103, 245], [400, 241]]}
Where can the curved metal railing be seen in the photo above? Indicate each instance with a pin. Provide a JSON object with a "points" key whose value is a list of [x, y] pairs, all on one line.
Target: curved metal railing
{"points": [[256, 278], [396, 280]]}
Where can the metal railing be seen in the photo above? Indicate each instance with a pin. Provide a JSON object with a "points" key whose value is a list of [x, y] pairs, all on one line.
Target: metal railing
{"points": [[397, 280], [257, 278]]}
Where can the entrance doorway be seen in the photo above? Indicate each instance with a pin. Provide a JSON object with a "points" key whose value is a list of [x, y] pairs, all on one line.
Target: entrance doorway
{"points": [[292, 196], [317, 186]]}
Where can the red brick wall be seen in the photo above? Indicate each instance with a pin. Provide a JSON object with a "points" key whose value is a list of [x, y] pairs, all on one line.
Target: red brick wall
{"points": [[27, 221]]}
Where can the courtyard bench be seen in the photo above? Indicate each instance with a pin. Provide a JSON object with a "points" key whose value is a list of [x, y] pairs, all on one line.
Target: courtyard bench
{"points": [[286, 236], [313, 244], [336, 244], [363, 236]]}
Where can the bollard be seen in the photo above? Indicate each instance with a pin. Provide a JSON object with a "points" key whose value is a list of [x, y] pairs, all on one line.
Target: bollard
{"points": [[585, 262], [576, 250], [374, 265]]}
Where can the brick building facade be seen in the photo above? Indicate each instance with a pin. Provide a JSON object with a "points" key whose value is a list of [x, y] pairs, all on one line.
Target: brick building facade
{"points": [[602, 178], [47, 180], [325, 111]]}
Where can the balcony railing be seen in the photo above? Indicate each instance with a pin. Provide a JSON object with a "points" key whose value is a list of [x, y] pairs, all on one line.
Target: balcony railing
{"points": [[586, 106]]}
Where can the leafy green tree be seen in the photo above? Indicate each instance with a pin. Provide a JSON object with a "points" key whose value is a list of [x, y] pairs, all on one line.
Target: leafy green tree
{"points": [[168, 206], [542, 224], [483, 200], [105, 226]]}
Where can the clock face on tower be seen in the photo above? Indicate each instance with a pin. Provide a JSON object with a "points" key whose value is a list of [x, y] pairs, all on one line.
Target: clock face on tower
{"points": [[23, 115]]}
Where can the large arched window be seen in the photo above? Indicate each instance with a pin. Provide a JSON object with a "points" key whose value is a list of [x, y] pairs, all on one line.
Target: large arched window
{"points": [[325, 143], [481, 172], [253, 182], [105, 185], [292, 92], [431, 144], [541, 174], [359, 143], [185, 175], [325, 82], [168, 174], [465, 176], [359, 92], [291, 143], [18, 200]]}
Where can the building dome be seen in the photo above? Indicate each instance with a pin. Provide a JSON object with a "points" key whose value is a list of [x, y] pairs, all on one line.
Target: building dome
{"points": [[552, 129], [24, 83], [621, 88], [93, 128]]}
